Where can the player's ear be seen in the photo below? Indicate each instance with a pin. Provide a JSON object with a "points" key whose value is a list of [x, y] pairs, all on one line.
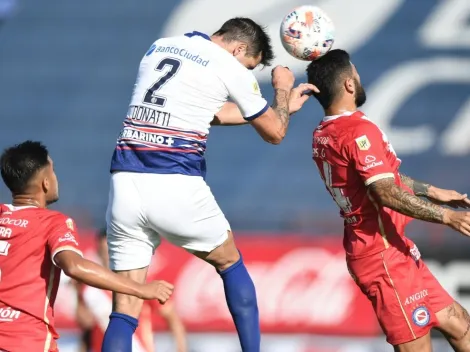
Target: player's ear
{"points": [[240, 49], [349, 85], [46, 185]]}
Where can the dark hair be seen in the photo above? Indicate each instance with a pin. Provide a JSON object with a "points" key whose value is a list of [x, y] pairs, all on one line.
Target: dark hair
{"points": [[21, 162], [248, 31], [327, 73]]}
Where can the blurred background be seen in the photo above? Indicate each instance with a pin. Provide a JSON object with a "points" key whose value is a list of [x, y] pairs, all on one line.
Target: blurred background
{"points": [[66, 74]]}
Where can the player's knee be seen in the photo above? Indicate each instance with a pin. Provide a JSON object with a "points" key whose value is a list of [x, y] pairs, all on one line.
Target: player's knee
{"points": [[227, 260], [126, 304], [222, 257]]}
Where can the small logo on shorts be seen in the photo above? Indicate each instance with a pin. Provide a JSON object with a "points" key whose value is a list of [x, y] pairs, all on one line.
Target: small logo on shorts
{"points": [[421, 316]]}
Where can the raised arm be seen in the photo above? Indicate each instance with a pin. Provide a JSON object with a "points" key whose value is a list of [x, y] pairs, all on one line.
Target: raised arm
{"points": [[270, 122], [230, 114]]}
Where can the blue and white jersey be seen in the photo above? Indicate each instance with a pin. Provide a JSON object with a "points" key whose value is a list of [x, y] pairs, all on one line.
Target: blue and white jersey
{"points": [[182, 83]]}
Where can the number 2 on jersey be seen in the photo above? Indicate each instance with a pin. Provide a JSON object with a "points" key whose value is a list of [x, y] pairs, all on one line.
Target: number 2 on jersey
{"points": [[337, 193], [152, 97]]}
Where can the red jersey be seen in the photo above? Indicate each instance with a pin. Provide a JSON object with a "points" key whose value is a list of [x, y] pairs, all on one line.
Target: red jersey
{"points": [[351, 152], [30, 237]]}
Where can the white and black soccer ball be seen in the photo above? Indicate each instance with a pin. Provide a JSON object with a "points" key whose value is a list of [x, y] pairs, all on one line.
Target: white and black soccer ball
{"points": [[307, 33]]}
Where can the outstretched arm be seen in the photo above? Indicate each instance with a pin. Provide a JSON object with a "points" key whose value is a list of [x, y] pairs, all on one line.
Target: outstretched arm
{"points": [[436, 195], [95, 275], [418, 188], [389, 195]]}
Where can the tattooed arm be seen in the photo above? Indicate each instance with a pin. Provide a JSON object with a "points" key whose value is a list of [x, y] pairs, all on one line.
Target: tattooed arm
{"points": [[436, 195], [389, 195], [418, 188], [230, 114]]}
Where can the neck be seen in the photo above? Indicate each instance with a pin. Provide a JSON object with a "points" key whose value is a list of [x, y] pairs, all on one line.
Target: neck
{"points": [[219, 40], [21, 200], [340, 108]]}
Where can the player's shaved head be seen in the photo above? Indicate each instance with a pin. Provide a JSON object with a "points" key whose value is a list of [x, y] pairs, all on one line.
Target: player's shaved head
{"points": [[21, 163], [248, 31], [329, 74]]}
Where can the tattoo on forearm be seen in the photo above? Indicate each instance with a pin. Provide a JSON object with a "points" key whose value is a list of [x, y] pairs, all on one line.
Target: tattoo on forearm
{"points": [[393, 197], [418, 188], [281, 106]]}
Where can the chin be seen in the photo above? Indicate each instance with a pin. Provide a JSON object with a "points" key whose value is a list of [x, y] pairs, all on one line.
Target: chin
{"points": [[53, 200]]}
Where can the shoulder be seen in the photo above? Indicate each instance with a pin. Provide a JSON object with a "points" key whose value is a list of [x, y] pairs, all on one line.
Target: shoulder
{"points": [[360, 129], [55, 218]]}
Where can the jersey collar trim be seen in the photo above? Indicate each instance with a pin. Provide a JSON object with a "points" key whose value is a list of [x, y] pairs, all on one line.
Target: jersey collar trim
{"points": [[334, 117], [13, 208], [198, 34]]}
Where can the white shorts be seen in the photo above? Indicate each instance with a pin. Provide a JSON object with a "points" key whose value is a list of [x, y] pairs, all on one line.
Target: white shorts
{"points": [[143, 207]]}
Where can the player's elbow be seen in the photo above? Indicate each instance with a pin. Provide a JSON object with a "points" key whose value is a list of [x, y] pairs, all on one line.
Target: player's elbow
{"points": [[72, 270], [274, 138], [69, 262]]}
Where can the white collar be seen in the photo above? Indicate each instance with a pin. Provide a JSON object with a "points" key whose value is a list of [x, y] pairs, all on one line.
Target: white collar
{"points": [[334, 117]]}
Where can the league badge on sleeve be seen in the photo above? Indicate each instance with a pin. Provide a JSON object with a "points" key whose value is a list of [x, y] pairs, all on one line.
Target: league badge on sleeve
{"points": [[363, 143], [69, 223]]}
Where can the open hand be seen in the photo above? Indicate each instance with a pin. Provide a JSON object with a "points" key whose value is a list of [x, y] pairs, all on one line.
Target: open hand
{"points": [[299, 95], [159, 289], [458, 220], [449, 197]]}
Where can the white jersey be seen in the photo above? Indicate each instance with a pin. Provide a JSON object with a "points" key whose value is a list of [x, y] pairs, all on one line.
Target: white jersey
{"points": [[182, 83]]}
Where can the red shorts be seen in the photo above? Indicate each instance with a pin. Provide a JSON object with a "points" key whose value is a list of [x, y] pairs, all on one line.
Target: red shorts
{"points": [[22, 332], [404, 293]]}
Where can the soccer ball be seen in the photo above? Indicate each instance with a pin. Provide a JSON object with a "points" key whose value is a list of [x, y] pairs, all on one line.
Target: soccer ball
{"points": [[307, 33]]}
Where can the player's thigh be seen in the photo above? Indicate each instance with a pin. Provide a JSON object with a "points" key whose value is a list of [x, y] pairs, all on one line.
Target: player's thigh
{"points": [[393, 283], [454, 323], [184, 211], [452, 319], [131, 242]]}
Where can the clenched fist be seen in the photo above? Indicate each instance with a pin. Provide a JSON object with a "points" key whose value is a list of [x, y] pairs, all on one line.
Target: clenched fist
{"points": [[159, 289], [282, 78]]}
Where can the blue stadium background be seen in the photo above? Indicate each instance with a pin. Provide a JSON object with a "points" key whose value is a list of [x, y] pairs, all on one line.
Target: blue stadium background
{"points": [[67, 69]]}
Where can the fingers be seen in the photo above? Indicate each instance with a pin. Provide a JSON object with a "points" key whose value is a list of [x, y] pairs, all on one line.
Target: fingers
{"points": [[305, 89], [310, 87], [466, 200], [464, 226], [167, 285], [465, 229]]}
